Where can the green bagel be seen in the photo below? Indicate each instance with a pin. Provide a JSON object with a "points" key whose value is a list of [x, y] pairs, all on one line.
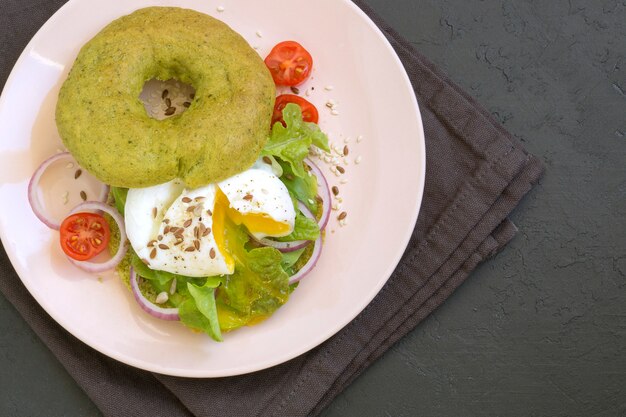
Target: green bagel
{"points": [[105, 126]]}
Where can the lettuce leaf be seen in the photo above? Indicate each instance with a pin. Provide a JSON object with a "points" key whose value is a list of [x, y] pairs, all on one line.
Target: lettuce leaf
{"points": [[291, 144], [257, 288], [119, 195], [204, 300], [302, 188]]}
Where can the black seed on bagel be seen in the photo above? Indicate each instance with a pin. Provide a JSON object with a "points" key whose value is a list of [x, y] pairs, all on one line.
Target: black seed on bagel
{"points": [[105, 126]]}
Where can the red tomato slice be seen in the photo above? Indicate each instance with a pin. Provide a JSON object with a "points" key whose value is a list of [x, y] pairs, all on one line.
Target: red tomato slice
{"points": [[289, 63], [309, 112], [84, 235]]}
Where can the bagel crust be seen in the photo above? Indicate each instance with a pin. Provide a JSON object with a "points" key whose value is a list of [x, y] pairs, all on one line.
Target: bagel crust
{"points": [[105, 126]]}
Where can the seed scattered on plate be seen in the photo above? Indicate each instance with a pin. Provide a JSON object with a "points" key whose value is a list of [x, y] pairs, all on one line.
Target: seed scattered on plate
{"points": [[295, 90], [359, 139], [83, 195], [343, 181], [186, 104], [259, 33], [329, 88], [357, 160], [335, 190], [78, 173], [341, 169], [69, 165], [220, 9], [334, 112], [342, 215]]}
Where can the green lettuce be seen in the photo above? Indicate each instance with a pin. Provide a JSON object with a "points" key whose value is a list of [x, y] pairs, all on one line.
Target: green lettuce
{"points": [[291, 143], [301, 188], [119, 195], [204, 301]]}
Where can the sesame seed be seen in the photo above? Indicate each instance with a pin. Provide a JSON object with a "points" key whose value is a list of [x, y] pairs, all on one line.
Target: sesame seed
{"points": [[346, 161], [307, 92], [311, 201], [357, 160], [69, 165], [359, 139], [343, 181], [173, 286], [334, 112], [199, 199], [66, 196], [259, 33], [346, 140], [329, 88], [78, 173], [220, 9], [161, 298]]}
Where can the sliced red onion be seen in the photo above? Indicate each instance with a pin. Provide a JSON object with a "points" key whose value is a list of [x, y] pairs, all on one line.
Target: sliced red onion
{"points": [[315, 256], [33, 198], [324, 192], [162, 313], [282, 246], [121, 250]]}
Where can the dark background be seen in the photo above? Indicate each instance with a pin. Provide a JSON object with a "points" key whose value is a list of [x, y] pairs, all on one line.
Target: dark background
{"points": [[540, 330]]}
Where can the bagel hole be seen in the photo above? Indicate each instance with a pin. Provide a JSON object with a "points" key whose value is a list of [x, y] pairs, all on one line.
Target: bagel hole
{"points": [[165, 99]]}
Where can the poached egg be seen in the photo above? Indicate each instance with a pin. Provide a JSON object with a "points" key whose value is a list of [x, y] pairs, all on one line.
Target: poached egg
{"points": [[180, 230]]}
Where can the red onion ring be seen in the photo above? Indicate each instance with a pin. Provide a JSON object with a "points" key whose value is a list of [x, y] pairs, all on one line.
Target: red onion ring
{"points": [[315, 256], [170, 314], [282, 246], [324, 192], [121, 250], [33, 198]]}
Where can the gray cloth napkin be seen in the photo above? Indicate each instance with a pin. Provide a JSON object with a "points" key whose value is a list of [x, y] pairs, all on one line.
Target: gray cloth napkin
{"points": [[476, 175]]}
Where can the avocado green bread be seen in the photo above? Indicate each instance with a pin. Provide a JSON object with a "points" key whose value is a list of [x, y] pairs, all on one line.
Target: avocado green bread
{"points": [[105, 126]]}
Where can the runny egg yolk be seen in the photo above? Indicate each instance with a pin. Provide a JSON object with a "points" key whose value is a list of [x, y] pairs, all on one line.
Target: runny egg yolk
{"points": [[254, 222]]}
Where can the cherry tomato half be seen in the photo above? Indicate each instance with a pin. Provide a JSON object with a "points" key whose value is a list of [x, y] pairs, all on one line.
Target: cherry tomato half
{"points": [[289, 63], [84, 235], [309, 112]]}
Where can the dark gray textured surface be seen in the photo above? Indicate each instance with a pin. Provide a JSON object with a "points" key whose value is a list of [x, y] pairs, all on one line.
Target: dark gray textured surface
{"points": [[541, 328]]}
